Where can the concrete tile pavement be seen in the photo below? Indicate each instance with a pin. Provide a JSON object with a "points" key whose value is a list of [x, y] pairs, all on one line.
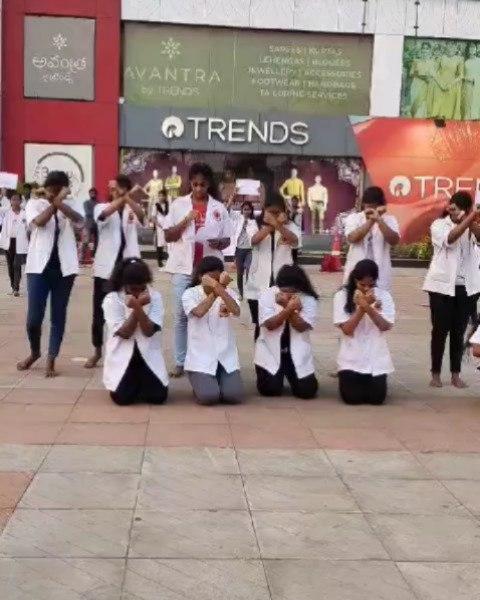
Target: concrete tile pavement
{"points": [[276, 499]]}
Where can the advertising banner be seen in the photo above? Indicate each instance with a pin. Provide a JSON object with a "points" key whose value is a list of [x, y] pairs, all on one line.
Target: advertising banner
{"points": [[59, 58], [441, 79], [214, 68], [420, 166], [75, 160]]}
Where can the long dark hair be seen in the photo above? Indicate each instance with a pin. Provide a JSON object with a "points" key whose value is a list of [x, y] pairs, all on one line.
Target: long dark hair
{"points": [[364, 268], [293, 276], [206, 265], [200, 168], [163, 208], [273, 199], [130, 271], [250, 206]]}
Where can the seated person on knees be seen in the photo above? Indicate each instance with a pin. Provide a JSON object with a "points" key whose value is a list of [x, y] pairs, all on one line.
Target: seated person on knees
{"points": [[363, 313], [212, 362], [287, 313], [134, 368]]}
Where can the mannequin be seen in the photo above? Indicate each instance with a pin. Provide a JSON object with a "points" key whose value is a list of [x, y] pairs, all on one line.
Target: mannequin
{"points": [[227, 187], [317, 198], [153, 188], [293, 187], [173, 183]]}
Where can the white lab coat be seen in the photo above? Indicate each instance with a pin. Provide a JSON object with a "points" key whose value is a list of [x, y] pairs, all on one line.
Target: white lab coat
{"points": [[367, 350], [267, 346], [265, 264], [181, 253], [9, 218], [118, 351], [109, 239], [42, 238], [381, 248], [211, 339], [442, 273]]}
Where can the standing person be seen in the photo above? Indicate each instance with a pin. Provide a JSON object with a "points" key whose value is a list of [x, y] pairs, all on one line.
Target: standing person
{"points": [[271, 249], [117, 223], [134, 369], [287, 313], [51, 267], [371, 233], [295, 214], [363, 313], [245, 226], [197, 225], [159, 219], [14, 240], [453, 282], [90, 225], [212, 361]]}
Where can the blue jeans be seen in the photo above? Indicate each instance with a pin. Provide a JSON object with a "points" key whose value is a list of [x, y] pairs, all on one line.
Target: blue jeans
{"points": [[40, 286], [180, 283]]}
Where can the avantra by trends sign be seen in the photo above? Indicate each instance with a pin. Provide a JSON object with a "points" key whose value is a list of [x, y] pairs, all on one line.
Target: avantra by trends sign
{"points": [[233, 131]]}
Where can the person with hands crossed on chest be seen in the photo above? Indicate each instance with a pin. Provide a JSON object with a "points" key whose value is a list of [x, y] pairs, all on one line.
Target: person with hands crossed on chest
{"points": [[453, 283], [371, 233], [287, 314], [51, 266], [117, 238], [189, 217], [212, 361], [134, 369], [363, 313], [272, 246]]}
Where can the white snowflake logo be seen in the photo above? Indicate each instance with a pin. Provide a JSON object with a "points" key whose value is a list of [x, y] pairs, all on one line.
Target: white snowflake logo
{"points": [[59, 41], [171, 48]]}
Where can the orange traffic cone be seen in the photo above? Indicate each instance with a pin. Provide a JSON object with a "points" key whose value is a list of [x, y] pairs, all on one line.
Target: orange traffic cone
{"points": [[332, 263]]}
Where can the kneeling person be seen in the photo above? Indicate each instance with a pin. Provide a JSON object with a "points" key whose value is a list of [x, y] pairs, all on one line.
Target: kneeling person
{"points": [[134, 368]]}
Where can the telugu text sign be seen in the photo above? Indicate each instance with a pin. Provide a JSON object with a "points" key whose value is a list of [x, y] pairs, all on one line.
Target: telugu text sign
{"points": [[59, 58], [214, 68]]}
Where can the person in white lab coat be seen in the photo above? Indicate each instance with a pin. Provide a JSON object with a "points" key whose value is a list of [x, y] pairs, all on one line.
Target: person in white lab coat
{"points": [[453, 283], [197, 225], [272, 247], [287, 313], [159, 218], [52, 265], [363, 313], [212, 362], [117, 234], [14, 240], [134, 368], [245, 227], [371, 233]]}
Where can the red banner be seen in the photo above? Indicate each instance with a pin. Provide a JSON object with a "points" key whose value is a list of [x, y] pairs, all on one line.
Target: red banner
{"points": [[420, 165]]}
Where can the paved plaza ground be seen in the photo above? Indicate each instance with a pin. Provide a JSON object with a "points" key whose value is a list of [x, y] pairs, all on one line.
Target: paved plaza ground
{"points": [[277, 499]]}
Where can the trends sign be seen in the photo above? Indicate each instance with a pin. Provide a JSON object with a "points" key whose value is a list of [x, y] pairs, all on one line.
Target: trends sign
{"points": [[236, 131]]}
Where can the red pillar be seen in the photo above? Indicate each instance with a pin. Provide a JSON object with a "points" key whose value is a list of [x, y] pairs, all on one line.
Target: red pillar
{"points": [[55, 121]]}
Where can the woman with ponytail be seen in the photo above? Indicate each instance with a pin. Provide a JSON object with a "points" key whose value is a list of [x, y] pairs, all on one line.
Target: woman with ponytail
{"points": [[363, 313]]}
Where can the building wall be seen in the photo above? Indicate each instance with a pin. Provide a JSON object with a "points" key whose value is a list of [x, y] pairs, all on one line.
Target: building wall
{"points": [[62, 122], [388, 20]]}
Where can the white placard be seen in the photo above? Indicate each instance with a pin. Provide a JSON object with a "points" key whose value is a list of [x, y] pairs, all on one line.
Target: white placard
{"points": [[8, 180], [248, 187], [76, 160]]}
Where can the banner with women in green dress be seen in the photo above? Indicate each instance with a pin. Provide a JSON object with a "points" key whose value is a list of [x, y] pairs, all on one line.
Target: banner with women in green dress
{"points": [[441, 79]]}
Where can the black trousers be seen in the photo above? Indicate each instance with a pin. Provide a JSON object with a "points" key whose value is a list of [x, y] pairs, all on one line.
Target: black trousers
{"points": [[139, 384], [243, 257], [450, 315], [358, 388], [253, 306], [272, 385], [14, 264], [161, 255], [100, 290]]}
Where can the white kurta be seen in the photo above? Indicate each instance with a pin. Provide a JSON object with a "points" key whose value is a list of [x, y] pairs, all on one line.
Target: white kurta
{"points": [[118, 351]]}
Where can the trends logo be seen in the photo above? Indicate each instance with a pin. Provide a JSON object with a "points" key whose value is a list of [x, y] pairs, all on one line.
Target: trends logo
{"points": [[400, 185], [173, 127]]}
